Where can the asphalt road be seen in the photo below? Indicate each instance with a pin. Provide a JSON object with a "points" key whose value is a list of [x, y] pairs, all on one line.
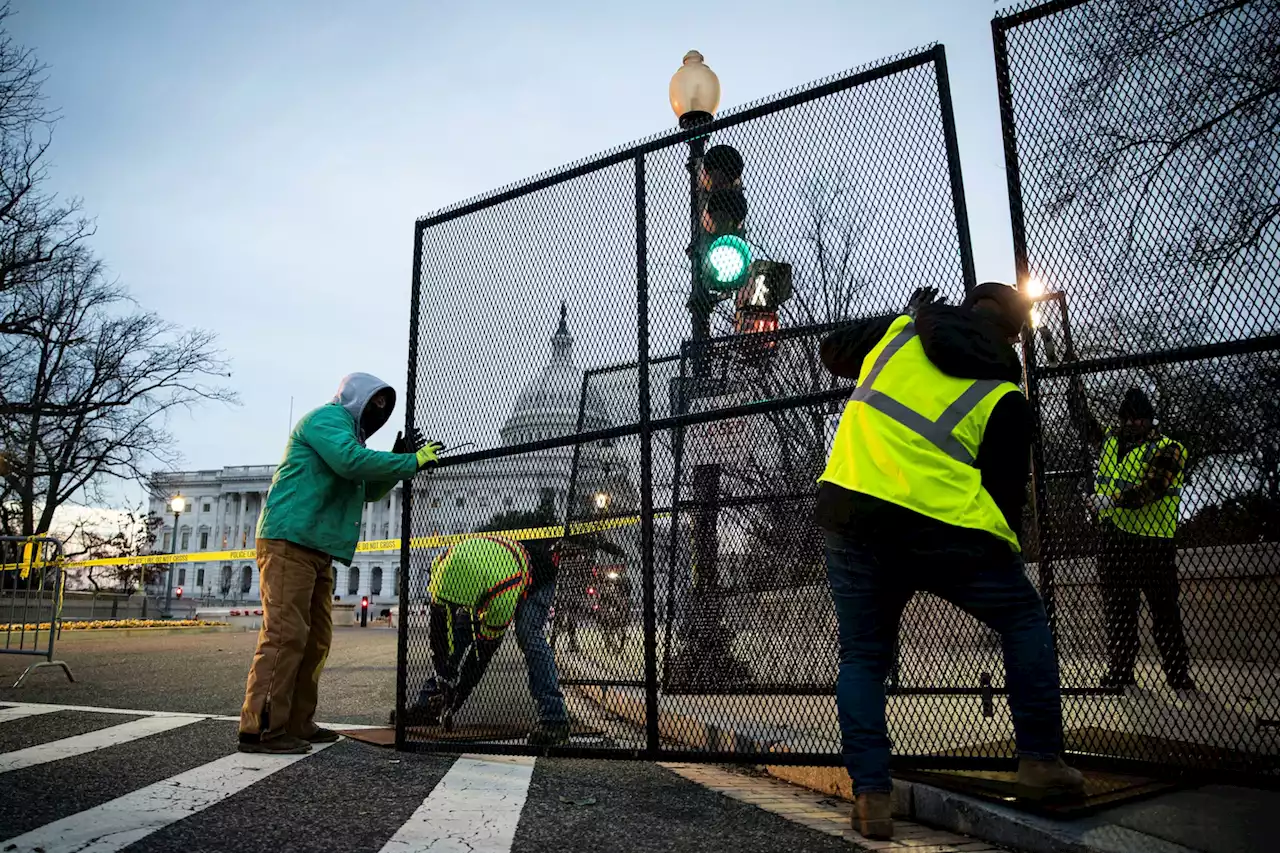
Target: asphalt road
{"points": [[73, 780], [175, 790]]}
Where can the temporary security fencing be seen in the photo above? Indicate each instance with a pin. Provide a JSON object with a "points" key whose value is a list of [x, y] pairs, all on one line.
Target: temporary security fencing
{"points": [[31, 581], [1142, 150], [694, 273]]}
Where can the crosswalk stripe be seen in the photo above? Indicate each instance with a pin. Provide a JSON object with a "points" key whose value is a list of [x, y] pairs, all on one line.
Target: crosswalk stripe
{"points": [[32, 708], [124, 820], [21, 712], [474, 809], [80, 744]]}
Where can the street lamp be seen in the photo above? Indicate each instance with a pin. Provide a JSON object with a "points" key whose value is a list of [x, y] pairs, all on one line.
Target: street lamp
{"points": [[177, 506], [602, 501], [695, 96]]}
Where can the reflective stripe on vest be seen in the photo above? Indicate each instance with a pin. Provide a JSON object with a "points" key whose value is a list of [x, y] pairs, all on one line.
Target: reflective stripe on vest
{"points": [[940, 432], [1157, 519], [918, 461]]}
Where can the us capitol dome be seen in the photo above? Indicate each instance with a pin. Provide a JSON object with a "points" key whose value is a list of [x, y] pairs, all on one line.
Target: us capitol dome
{"points": [[457, 499]]}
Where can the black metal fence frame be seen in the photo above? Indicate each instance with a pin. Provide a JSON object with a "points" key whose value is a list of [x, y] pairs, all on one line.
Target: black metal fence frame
{"points": [[654, 748], [1036, 373]]}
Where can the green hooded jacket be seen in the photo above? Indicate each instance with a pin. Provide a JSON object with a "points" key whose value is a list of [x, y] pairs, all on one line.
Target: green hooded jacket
{"points": [[318, 493]]}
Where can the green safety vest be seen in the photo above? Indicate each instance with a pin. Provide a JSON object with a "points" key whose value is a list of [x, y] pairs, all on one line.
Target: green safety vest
{"points": [[910, 435], [1158, 518], [487, 574]]}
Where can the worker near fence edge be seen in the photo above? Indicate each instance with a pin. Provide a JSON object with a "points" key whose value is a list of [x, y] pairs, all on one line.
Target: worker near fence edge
{"points": [[312, 517], [923, 490], [475, 588], [1136, 498]]}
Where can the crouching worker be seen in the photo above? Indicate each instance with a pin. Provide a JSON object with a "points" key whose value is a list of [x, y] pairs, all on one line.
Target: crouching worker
{"points": [[312, 517], [475, 588]]}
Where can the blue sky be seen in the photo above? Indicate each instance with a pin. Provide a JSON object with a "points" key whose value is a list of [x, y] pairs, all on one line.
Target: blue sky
{"points": [[256, 168]]}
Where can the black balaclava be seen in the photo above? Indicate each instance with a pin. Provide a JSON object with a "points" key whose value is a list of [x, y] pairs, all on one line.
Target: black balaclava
{"points": [[373, 418]]}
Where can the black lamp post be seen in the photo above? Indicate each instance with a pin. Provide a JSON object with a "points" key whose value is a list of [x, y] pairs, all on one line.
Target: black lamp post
{"points": [[177, 506], [706, 659]]}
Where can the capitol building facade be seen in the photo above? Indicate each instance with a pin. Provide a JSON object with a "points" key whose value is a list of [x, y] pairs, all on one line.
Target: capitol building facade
{"points": [[223, 505]]}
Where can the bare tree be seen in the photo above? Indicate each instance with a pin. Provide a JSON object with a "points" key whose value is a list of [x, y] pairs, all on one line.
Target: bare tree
{"points": [[37, 230], [1168, 138], [788, 449], [89, 385], [133, 535]]}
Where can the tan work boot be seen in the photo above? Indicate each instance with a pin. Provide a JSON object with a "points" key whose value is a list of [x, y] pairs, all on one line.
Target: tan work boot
{"points": [[1039, 779], [873, 815]]}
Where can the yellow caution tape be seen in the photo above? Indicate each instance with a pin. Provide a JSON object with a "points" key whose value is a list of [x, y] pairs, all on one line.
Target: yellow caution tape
{"points": [[417, 542]]}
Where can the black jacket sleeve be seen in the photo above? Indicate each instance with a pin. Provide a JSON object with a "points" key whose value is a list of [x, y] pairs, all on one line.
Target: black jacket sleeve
{"points": [[1004, 458], [844, 349]]}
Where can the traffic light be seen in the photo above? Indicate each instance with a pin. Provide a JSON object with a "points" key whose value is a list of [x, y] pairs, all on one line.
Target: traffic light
{"points": [[723, 253], [178, 592], [364, 612]]}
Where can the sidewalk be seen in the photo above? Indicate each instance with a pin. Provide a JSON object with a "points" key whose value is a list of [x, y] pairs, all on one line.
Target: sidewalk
{"points": [[1210, 819]]}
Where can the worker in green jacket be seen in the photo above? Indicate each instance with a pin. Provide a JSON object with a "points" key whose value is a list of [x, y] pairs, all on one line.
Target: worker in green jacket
{"points": [[475, 587], [312, 517]]}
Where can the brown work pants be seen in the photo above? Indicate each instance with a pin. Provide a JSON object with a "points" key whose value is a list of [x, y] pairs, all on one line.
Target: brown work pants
{"points": [[297, 630]]}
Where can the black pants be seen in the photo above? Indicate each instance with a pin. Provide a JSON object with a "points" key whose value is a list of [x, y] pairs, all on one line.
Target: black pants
{"points": [[1129, 567], [459, 654]]}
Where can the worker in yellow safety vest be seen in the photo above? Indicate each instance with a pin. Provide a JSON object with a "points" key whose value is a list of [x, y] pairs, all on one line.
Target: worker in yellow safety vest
{"points": [[1136, 497], [924, 490]]}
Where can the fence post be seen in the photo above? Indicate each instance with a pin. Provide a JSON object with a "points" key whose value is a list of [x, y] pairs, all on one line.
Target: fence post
{"points": [[1017, 222], [646, 467]]}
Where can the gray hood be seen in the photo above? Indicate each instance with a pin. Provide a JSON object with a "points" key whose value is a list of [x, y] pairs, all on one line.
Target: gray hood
{"points": [[354, 393]]}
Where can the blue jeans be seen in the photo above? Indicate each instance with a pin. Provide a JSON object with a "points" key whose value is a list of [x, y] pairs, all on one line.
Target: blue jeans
{"points": [[531, 636], [872, 581]]}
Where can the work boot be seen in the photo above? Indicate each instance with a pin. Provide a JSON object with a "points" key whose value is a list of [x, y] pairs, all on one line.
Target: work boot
{"points": [[549, 734], [1039, 779], [322, 735], [1117, 681], [278, 745], [873, 815], [422, 714]]}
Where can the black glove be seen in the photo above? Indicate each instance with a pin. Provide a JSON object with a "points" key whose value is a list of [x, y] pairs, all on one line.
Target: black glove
{"points": [[412, 446], [920, 298]]}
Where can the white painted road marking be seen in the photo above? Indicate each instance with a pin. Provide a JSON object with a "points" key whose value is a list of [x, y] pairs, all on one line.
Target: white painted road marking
{"points": [[473, 809], [125, 820], [80, 744], [32, 708], [21, 712]]}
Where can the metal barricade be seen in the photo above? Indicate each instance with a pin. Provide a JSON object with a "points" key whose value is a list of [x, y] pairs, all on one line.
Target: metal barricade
{"points": [[31, 590]]}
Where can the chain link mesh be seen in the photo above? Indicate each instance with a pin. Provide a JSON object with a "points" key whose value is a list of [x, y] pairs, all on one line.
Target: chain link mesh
{"points": [[1143, 141], [854, 182]]}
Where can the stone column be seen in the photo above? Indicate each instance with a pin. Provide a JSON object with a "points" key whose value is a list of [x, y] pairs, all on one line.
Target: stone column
{"points": [[236, 532]]}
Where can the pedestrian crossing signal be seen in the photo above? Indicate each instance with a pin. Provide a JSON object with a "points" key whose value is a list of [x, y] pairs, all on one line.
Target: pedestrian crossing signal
{"points": [[178, 592]]}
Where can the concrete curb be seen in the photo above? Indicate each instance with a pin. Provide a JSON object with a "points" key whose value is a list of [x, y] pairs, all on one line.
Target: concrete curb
{"points": [[912, 801]]}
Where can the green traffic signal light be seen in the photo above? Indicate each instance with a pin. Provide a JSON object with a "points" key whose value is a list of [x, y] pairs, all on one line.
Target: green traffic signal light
{"points": [[726, 261]]}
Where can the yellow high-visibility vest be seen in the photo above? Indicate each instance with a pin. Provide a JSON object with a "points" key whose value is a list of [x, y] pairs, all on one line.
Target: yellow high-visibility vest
{"points": [[1158, 519], [910, 435]]}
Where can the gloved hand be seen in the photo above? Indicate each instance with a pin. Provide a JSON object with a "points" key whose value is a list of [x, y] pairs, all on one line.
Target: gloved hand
{"points": [[413, 445], [1099, 503], [920, 298], [427, 454]]}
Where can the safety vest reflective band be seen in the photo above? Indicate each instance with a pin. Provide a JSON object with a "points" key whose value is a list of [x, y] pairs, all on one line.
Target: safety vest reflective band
{"points": [[910, 434], [1158, 519]]}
